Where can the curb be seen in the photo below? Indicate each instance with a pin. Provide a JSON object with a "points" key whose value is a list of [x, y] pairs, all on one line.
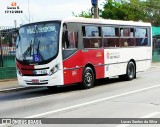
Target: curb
{"points": [[11, 89], [6, 80], [16, 89]]}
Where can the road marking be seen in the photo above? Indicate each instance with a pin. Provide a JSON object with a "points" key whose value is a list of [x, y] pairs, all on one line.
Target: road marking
{"points": [[30, 99], [151, 115], [155, 66], [96, 101], [89, 103], [146, 116], [4, 125]]}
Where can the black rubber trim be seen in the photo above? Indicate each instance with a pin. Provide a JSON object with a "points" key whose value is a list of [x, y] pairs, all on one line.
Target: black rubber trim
{"points": [[67, 53], [128, 61], [37, 83], [73, 68], [104, 64], [36, 69], [35, 75]]}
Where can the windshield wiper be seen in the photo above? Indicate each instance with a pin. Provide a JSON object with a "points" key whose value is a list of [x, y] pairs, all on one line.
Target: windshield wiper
{"points": [[29, 49], [38, 51], [38, 47]]}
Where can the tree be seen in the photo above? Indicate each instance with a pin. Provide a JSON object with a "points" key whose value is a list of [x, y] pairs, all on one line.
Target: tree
{"points": [[144, 10], [83, 14], [122, 10], [112, 10], [152, 9]]}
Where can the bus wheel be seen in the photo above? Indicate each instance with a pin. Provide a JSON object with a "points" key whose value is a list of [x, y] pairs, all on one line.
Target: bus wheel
{"points": [[131, 71], [88, 78]]}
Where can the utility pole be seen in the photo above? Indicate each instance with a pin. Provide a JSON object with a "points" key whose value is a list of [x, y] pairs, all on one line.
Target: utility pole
{"points": [[28, 13], [15, 24], [94, 9]]}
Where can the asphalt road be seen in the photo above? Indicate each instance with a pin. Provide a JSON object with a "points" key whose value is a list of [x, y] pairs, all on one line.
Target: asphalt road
{"points": [[111, 98]]}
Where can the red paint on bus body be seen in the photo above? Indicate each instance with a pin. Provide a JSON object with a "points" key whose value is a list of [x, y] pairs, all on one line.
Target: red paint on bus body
{"points": [[25, 69], [74, 65]]}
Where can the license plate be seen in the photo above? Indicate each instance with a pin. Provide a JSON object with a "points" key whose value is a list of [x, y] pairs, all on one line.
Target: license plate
{"points": [[35, 81], [40, 71]]}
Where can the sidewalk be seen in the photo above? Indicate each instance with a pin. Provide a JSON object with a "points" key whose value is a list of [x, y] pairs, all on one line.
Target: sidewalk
{"points": [[8, 84], [13, 83], [156, 64]]}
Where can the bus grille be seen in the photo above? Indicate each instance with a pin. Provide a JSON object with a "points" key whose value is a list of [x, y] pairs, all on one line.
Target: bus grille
{"points": [[37, 83], [41, 82]]}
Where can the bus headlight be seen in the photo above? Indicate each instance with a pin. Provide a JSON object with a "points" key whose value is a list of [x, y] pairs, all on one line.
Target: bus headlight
{"points": [[54, 69]]}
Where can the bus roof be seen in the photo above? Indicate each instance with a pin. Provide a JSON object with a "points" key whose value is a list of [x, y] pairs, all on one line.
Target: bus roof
{"points": [[105, 21], [96, 21]]}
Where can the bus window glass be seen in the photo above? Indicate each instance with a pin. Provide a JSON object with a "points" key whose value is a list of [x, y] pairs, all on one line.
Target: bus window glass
{"points": [[125, 32], [70, 40], [110, 36], [73, 39], [38, 43], [92, 37], [91, 31], [108, 31], [127, 37], [141, 37]]}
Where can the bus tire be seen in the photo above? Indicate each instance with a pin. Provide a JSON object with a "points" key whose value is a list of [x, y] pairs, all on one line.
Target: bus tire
{"points": [[88, 78], [131, 71]]}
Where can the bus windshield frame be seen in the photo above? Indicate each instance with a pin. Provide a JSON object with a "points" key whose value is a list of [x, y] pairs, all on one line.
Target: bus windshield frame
{"points": [[38, 43]]}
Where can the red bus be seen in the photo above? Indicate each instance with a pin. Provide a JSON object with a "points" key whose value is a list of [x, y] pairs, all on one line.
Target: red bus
{"points": [[80, 50]]}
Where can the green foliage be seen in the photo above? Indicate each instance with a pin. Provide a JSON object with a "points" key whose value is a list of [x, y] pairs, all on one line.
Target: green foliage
{"points": [[123, 10], [145, 10], [152, 8], [83, 14]]}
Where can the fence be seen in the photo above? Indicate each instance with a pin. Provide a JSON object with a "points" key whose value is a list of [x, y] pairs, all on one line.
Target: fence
{"points": [[156, 49], [7, 50], [7, 53]]}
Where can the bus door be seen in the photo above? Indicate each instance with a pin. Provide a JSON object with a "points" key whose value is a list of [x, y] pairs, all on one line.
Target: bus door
{"points": [[111, 51], [71, 54]]}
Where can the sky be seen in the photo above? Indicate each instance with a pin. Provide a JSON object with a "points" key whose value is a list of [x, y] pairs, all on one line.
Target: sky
{"points": [[41, 10]]}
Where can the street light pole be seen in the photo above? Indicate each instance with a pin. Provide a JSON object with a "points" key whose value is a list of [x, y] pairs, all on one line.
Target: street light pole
{"points": [[28, 12]]}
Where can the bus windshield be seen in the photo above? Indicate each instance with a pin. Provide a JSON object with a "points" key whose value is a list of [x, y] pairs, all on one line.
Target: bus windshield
{"points": [[38, 43]]}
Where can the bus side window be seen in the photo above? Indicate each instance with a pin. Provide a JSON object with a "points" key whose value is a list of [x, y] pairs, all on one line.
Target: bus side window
{"points": [[127, 37], [73, 40], [65, 41], [69, 38], [141, 37], [110, 36], [91, 36]]}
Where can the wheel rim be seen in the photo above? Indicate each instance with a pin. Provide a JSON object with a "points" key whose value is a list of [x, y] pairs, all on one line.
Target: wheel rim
{"points": [[131, 71], [88, 78]]}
